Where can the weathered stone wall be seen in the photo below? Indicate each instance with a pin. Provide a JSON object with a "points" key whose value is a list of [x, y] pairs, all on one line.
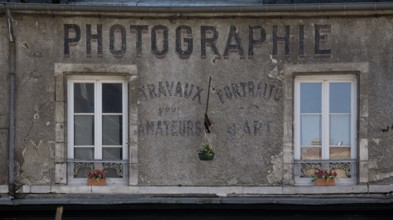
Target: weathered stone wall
{"points": [[380, 102], [246, 100], [34, 100]]}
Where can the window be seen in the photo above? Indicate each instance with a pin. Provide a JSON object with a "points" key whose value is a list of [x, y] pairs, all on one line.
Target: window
{"points": [[97, 126], [325, 126]]}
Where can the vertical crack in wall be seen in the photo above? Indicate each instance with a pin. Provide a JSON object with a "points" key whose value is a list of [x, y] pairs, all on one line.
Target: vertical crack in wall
{"points": [[36, 162]]}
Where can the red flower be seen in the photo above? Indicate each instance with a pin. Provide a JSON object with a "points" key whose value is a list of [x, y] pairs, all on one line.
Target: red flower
{"points": [[324, 174], [96, 174]]}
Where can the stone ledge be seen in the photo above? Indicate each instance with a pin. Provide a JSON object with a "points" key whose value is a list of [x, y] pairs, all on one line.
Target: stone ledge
{"points": [[325, 189], [3, 189], [25, 189], [71, 189], [381, 188], [104, 199], [218, 191], [262, 190], [40, 189]]}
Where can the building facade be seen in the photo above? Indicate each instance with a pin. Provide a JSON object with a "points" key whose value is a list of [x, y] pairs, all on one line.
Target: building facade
{"points": [[288, 90]]}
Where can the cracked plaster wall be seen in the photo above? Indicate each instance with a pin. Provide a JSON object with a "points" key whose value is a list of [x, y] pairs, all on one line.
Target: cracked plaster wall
{"points": [[35, 130], [247, 131]]}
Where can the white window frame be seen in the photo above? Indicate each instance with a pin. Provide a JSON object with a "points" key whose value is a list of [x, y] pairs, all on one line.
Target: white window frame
{"points": [[98, 81], [325, 80]]}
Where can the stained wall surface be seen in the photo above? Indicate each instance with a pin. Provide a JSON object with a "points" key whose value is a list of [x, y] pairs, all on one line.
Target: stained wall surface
{"points": [[244, 56]]}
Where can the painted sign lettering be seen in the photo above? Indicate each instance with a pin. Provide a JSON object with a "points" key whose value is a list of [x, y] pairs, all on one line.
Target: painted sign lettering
{"points": [[253, 127], [170, 128], [249, 89], [171, 88], [184, 43]]}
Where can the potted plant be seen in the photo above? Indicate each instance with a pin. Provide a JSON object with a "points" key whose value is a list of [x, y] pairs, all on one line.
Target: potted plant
{"points": [[325, 177], [96, 178], [206, 152]]}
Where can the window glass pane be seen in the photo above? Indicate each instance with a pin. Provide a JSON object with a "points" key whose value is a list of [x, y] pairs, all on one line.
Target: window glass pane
{"points": [[340, 153], [84, 153], [112, 98], [84, 130], [310, 130], [112, 131], [340, 130], [310, 97], [340, 97], [112, 153], [311, 153], [83, 97]]}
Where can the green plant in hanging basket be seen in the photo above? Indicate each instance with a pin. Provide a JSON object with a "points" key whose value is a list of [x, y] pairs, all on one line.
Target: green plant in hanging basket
{"points": [[206, 152]]}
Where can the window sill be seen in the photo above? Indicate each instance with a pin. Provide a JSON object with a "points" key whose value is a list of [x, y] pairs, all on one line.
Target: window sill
{"points": [[109, 182], [3, 189], [200, 191]]}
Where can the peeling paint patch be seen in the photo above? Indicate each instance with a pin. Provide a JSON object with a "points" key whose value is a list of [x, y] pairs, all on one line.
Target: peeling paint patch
{"points": [[221, 194], [381, 176], [36, 116], [276, 175], [274, 73], [273, 60], [36, 145], [23, 152], [377, 140], [37, 167]]}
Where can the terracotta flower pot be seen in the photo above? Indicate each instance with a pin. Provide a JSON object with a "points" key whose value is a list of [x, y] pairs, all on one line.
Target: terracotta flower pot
{"points": [[96, 182], [325, 182]]}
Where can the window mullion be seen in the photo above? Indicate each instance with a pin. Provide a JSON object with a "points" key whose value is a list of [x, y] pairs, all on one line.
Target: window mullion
{"points": [[125, 120], [325, 120], [353, 120], [98, 121], [297, 120], [71, 119]]}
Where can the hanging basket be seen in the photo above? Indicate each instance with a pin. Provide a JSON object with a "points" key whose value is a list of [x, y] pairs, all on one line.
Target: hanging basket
{"points": [[203, 156], [206, 151]]}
